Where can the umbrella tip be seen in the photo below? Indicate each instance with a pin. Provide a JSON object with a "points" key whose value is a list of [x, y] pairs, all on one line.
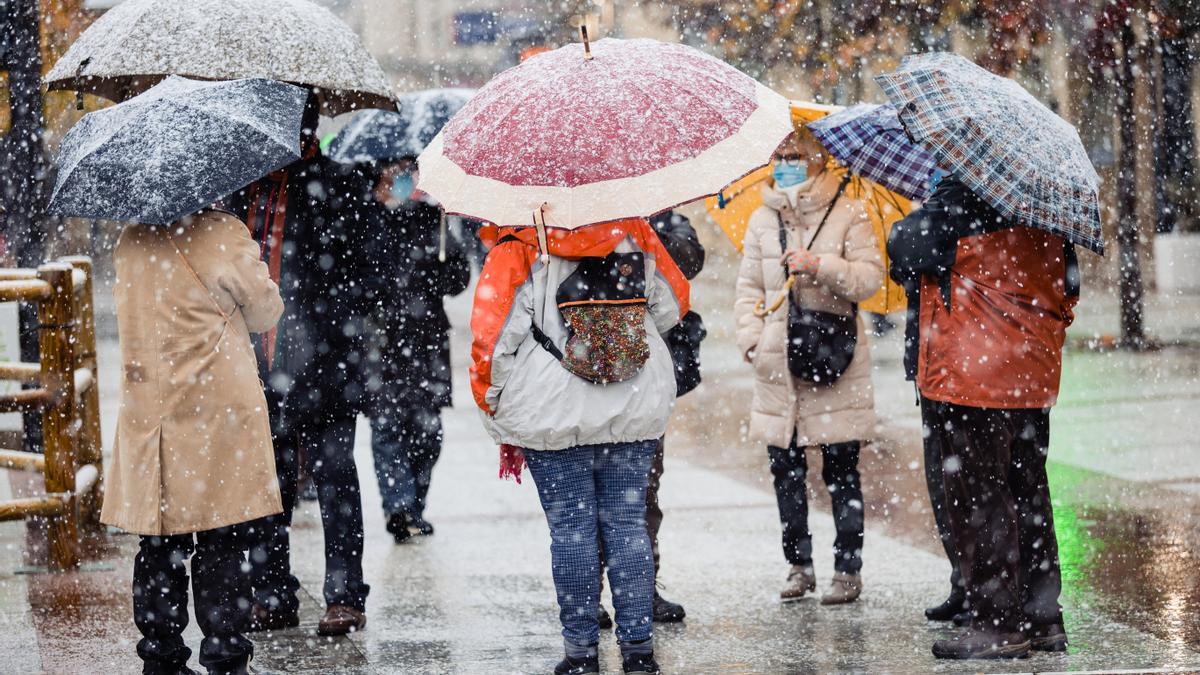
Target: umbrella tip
{"points": [[587, 43]]}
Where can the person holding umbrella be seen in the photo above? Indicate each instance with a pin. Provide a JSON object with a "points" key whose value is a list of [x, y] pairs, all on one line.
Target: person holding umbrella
{"points": [[313, 210], [415, 262], [192, 465], [569, 367], [809, 231], [998, 283]]}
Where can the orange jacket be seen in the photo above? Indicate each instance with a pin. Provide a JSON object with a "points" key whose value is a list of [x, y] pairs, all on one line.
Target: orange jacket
{"points": [[1000, 343], [504, 360]]}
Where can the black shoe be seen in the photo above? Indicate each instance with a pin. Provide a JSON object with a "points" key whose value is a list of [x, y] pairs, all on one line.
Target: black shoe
{"points": [[1051, 637], [666, 611], [603, 618], [307, 490], [946, 611], [640, 664], [397, 525], [423, 526], [570, 666], [977, 644]]}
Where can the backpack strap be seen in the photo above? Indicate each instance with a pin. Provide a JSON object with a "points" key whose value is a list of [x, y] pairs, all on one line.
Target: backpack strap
{"points": [[545, 341]]}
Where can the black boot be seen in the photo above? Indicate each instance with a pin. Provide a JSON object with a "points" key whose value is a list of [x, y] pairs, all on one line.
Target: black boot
{"points": [[603, 618], [1051, 637], [640, 664], [666, 611], [954, 605], [580, 666], [397, 525]]}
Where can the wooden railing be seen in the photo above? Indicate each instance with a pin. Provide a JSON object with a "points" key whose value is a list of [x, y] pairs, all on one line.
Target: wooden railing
{"points": [[66, 394]]}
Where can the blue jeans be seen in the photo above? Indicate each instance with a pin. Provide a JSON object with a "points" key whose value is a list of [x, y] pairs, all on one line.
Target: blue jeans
{"points": [[406, 443], [601, 488]]}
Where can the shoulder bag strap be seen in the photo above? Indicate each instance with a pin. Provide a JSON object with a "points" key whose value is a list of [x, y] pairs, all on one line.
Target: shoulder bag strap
{"points": [[191, 270], [783, 227]]}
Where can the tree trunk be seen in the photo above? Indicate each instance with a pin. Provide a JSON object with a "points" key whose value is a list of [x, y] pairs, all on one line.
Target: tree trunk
{"points": [[1175, 142], [1132, 325]]}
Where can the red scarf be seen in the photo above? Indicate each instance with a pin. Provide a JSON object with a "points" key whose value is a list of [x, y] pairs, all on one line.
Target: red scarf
{"points": [[268, 201]]}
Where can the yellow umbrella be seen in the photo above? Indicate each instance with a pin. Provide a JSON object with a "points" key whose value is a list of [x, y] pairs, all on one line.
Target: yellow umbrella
{"points": [[731, 209]]}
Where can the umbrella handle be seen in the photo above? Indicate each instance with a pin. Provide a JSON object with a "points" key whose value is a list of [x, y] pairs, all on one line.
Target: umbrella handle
{"points": [[587, 43], [442, 239], [539, 220], [761, 309]]}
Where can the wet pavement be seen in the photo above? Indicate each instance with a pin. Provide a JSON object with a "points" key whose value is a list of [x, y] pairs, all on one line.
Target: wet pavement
{"points": [[477, 596]]}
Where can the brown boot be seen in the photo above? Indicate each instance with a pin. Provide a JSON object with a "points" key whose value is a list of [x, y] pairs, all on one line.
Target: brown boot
{"points": [[262, 619], [340, 620], [845, 588], [978, 644], [801, 579]]}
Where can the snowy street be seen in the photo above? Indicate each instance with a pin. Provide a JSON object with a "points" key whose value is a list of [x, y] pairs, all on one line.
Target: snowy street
{"points": [[477, 596]]}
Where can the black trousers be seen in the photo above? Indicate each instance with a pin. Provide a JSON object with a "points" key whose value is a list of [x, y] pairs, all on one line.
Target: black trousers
{"points": [[789, 468], [275, 586], [998, 500], [220, 586], [934, 481], [328, 443], [329, 449]]}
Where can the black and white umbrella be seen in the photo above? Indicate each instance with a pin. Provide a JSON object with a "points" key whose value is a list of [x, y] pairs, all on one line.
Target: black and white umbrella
{"points": [[384, 136], [139, 42], [176, 149]]}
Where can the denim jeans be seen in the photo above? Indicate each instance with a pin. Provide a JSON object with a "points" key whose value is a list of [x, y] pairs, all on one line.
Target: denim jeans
{"points": [[220, 587], [789, 467], [585, 490], [406, 444]]}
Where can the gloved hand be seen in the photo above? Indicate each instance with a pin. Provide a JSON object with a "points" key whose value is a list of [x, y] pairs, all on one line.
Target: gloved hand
{"points": [[801, 261]]}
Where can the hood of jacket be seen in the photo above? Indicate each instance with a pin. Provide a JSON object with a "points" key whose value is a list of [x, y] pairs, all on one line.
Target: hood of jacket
{"points": [[585, 242]]}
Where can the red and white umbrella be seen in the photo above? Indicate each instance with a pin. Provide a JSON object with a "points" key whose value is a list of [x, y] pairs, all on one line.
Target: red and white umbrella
{"points": [[630, 129]]}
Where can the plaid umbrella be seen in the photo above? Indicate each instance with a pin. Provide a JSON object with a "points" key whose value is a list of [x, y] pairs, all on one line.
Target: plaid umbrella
{"points": [[1003, 143], [870, 141]]}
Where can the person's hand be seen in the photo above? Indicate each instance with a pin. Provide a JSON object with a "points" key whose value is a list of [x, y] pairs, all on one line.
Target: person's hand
{"points": [[801, 261]]}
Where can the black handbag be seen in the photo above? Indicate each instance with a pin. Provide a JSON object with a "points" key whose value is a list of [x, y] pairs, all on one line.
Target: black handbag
{"points": [[820, 344]]}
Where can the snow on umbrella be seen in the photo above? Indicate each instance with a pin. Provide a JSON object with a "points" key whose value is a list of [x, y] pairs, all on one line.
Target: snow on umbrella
{"points": [[1012, 151], [385, 136], [139, 42], [176, 148], [870, 141], [638, 128]]}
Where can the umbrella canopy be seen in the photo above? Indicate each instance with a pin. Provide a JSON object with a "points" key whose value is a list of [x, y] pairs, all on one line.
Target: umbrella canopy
{"points": [[139, 42], [869, 140], [1011, 150], [385, 136], [176, 148], [638, 128]]}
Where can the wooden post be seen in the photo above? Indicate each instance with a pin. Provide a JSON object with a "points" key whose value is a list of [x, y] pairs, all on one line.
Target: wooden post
{"points": [[90, 449], [57, 357]]}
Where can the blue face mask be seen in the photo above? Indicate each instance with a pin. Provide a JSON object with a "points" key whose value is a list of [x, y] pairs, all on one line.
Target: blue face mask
{"points": [[936, 177], [402, 186], [789, 173]]}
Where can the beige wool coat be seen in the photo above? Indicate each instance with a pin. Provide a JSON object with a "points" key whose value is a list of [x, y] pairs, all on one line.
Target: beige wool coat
{"points": [[850, 271], [193, 446]]}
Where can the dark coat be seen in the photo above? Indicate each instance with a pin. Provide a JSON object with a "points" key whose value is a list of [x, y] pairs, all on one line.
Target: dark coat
{"points": [[408, 364], [679, 238], [319, 266]]}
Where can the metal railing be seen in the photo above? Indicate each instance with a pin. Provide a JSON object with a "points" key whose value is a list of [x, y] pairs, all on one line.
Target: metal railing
{"points": [[66, 394]]}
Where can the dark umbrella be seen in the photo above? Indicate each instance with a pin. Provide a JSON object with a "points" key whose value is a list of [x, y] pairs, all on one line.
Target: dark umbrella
{"points": [[176, 148], [870, 141], [383, 136]]}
